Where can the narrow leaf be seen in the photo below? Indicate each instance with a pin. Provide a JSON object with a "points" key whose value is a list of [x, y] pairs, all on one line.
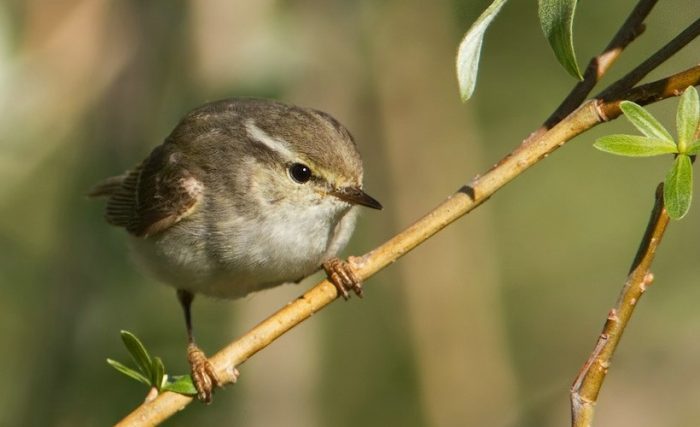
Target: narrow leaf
{"points": [[644, 121], [687, 117], [138, 353], [469, 50], [678, 188], [557, 21], [181, 384], [128, 371], [634, 145], [158, 372]]}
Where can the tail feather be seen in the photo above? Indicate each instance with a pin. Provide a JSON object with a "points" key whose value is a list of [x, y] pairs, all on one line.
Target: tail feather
{"points": [[122, 197], [108, 187]]}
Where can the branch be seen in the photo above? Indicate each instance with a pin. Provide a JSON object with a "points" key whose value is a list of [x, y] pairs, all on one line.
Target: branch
{"points": [[599, 65], [651, 63], [650, 92], [632, 28], [460, 203], [584, 391]]}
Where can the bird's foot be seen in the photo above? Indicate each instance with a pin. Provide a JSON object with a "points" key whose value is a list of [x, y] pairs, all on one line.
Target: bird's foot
{"points": [[342, 275], [203, 376]]}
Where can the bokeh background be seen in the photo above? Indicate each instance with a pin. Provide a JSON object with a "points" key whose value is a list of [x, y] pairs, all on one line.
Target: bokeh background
{"points": [[484, 325]]}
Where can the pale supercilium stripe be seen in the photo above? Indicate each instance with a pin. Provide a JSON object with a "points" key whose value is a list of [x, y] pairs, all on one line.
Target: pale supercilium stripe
{"points": [[277, 145]]}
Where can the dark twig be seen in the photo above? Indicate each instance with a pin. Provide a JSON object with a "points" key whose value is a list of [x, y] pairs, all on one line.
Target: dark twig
{"points": [[586, 387], [650, 92], [651, 63]]}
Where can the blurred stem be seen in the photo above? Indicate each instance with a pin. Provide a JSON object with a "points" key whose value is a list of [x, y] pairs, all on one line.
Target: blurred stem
{"points": [[586, 387], [460, 203]]}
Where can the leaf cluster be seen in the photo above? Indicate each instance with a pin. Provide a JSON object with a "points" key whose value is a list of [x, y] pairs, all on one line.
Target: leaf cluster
{"points": [[150, 370], [656, 140]]}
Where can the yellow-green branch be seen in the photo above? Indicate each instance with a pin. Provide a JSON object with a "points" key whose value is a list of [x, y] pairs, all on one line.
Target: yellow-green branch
{"points": [[586, 387]]}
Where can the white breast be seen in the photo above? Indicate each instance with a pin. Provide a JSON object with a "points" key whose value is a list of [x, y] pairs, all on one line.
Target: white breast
{"points": [[243, 255]]}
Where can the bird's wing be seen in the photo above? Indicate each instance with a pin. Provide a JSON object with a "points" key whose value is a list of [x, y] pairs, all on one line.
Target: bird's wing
{"points": [[152, 197]]}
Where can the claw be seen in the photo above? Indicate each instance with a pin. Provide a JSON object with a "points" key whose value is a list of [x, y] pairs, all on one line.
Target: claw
{"points": [[203, 375], [343, 277]]}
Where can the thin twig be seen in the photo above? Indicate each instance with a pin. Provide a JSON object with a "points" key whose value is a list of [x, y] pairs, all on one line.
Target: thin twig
{"points": [[586, 387], [459, 204], [651, 63], [632, 28], [650, 92]]}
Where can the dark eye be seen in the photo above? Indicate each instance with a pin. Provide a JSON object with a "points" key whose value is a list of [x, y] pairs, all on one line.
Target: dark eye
{"points": [[300, 173]]}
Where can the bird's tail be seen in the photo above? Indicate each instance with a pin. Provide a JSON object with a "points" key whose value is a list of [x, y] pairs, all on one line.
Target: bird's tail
{"points": [[107, 187]]}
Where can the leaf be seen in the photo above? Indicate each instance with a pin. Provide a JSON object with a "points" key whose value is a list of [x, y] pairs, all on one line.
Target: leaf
{"points": [[634, 145], [557, 21], [644, 121], [138, 353], [687, 117], [678, 188], [158, 372], [181, 384], [694, 148], [128, 371], [469, 50]]}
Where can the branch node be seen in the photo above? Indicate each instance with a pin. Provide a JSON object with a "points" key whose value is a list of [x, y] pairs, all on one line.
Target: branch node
{"points": [[599, 106], [469, 189], [646, 282], [151, 396], [582, 400]]}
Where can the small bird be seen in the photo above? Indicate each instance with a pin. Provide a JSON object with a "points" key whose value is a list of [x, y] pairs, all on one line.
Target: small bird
{"points": [[243, 195]]}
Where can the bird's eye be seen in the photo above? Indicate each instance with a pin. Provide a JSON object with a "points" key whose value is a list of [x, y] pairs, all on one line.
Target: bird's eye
{"points": [[300, 173]]}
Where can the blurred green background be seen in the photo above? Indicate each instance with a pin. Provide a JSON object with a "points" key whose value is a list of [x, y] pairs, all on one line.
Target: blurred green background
{"points": [[484, 325]]}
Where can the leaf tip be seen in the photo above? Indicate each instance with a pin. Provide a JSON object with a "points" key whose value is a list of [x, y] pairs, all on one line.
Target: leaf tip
{"points": [[557, 19], [469, 51]]}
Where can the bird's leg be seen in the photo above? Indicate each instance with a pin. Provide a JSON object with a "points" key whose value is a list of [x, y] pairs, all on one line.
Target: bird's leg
{"points": [[202, 371], [342, 275]]}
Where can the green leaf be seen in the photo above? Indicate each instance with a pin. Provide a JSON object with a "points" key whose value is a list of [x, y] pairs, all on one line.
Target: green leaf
{"points": [[694, 148], [644, 121], [158, 372], [678, 188], [128, 371], [634, 145], [557, 21], [181, 384], [687, 117], [138, 353], [469, 50]]}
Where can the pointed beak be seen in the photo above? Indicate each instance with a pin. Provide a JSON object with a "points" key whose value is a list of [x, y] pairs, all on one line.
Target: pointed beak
{"points": [[356, 196]]}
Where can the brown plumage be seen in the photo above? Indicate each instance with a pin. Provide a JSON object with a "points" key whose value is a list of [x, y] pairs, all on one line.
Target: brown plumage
{"points": [[151, 197]]}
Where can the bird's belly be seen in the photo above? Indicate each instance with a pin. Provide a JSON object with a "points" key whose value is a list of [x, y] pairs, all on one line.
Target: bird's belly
{"points": [[232, 264]]}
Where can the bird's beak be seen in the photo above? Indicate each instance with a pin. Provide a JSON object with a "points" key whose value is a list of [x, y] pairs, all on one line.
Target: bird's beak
{"points": [[356, 196]]}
